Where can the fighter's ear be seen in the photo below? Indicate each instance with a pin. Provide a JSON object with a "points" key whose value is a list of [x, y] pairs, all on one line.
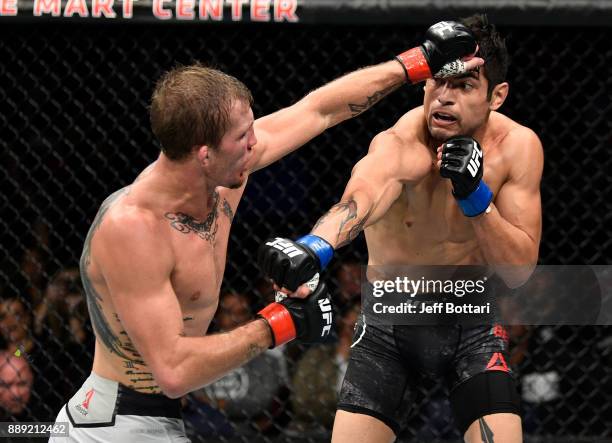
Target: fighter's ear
{"points": [[202, 153], [498, 96]]}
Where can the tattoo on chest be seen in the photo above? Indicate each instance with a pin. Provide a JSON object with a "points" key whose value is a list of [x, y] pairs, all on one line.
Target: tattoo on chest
{"points": [[205, 229]]}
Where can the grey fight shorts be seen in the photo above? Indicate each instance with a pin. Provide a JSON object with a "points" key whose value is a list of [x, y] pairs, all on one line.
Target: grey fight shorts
{"points": [[104, 411]]}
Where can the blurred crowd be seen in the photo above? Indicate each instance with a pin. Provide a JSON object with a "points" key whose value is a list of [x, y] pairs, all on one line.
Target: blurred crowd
{"points": [[46, 339], [288, 393]]}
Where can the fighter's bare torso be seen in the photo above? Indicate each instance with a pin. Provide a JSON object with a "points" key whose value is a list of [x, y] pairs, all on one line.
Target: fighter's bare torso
{"points": [[198, 247], [424, 225]]}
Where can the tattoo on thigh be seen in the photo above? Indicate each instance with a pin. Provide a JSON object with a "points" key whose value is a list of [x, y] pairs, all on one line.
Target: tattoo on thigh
{"points": [[485, 431]]}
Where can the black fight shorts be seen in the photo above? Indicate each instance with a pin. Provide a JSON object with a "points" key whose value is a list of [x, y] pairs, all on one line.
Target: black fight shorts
{"points": [[387, 361]]}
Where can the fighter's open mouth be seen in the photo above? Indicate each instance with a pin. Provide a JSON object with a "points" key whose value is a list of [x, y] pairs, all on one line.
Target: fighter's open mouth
{"points": [[445, 117]]}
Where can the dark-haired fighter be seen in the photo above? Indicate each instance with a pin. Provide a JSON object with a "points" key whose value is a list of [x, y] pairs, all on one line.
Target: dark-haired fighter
{"points": [[453, 182], [154, 257]]}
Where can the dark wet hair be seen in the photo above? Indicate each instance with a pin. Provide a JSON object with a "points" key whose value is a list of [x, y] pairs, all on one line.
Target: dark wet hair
{"points": [[492, 48]]}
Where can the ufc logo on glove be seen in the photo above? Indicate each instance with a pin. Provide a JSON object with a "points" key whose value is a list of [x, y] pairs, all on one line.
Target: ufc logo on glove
{"points": [[475, 160], [326, 311], [286, 247]]}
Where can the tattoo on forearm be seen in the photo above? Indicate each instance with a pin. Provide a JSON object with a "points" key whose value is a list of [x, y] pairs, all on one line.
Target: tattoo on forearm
{"points": [[350, 207], [206, 229], [320, 221], [358, 108], [485, 431], [357, 228], [254, 350], [227, 210]]}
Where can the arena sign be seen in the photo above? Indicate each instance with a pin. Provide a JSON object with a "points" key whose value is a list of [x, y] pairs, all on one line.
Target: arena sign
{"points": [[513, 12], [205, 10]]}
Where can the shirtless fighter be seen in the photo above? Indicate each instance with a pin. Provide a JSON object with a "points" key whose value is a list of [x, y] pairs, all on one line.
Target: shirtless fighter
{"points": [[421, 202], [154, 257]]}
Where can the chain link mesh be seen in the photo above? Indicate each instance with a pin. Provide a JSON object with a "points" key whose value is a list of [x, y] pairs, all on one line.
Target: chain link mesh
{"points": [[75, 127]]}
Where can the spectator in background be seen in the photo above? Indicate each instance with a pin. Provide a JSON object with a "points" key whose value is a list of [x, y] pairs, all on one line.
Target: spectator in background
{"points": [[348, 278], [30, 280], [15, 323], [63, 312], [264, 292], [63, 336], [248, 401], [318, 379], [15, 387]]}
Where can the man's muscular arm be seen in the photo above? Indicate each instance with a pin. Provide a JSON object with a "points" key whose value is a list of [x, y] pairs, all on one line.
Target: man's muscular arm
{"points": [[136, 260], [287, 129], [510, 233], [284, 131], [374, 185]]}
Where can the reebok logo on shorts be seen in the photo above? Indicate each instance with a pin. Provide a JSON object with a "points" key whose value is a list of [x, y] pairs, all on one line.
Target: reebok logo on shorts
{"points": [[88, 396], [497, 363], [83, 408]]}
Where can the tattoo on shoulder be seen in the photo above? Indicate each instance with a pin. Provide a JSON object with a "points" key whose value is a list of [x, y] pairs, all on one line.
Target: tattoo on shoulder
{"points": [[485, 431], [358, 108], [227, 210], [205, 229]]}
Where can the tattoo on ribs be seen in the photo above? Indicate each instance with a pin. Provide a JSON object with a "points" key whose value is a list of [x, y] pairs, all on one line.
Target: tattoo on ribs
{"points": [[206, 229], [101, 325], [358, 108], [485, 431], [117, 343]]}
